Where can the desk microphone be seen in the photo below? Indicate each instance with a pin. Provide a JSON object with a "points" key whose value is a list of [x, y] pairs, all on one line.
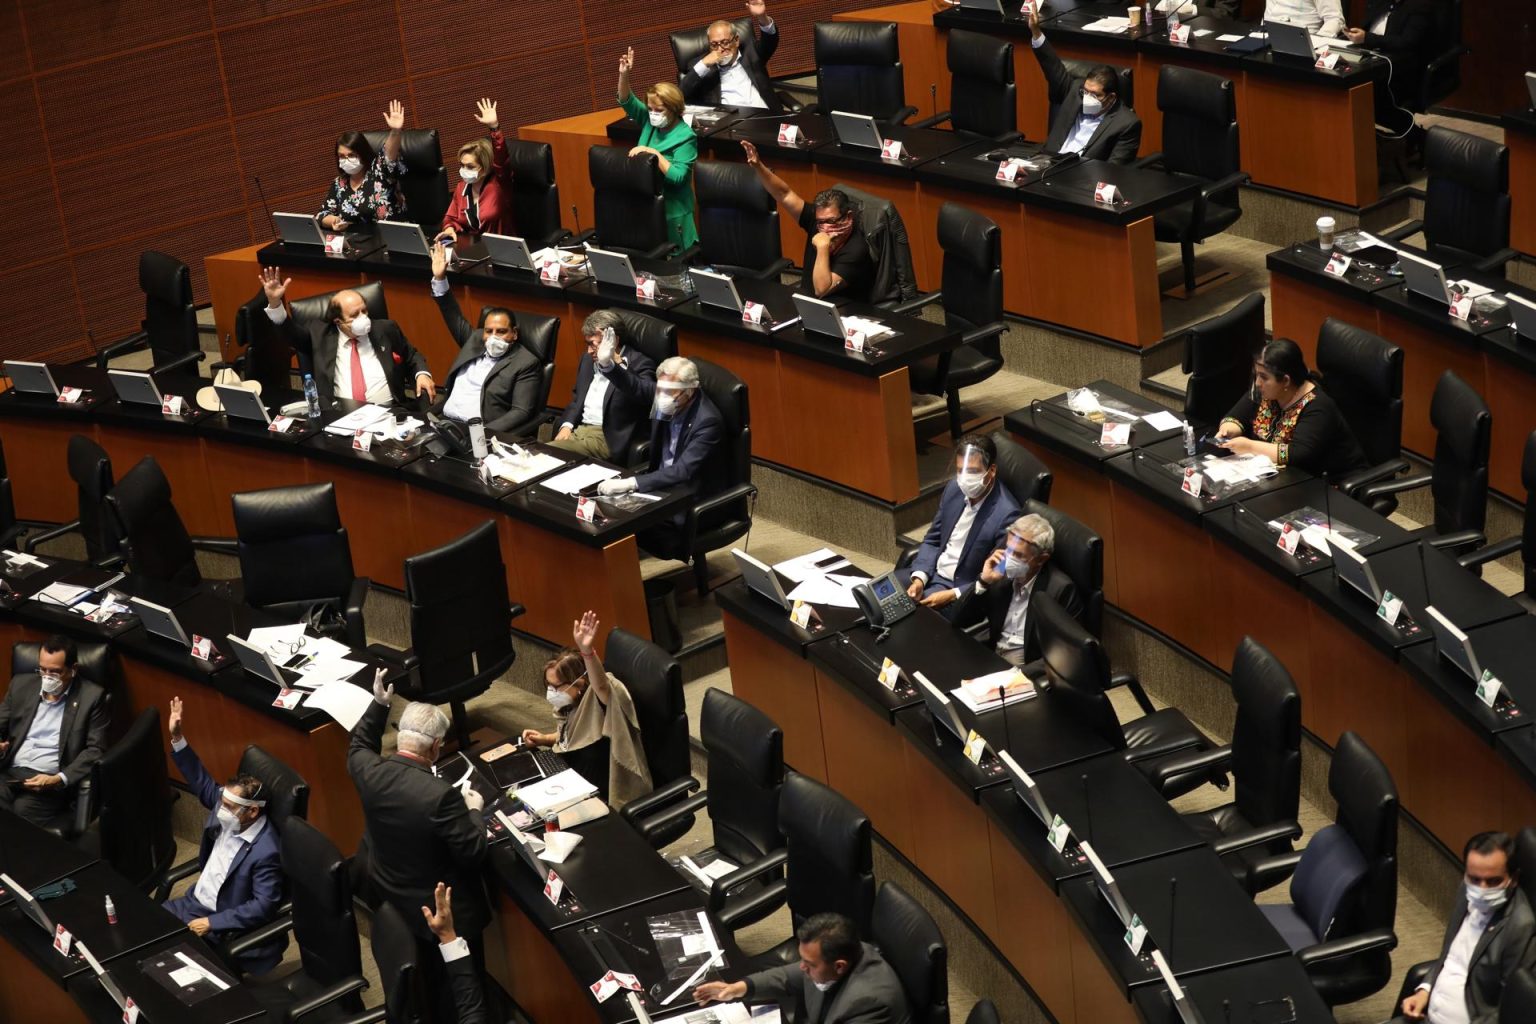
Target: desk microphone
{"points": [[1173, 890], [1087, 810], [271, 221], [577, 215]]}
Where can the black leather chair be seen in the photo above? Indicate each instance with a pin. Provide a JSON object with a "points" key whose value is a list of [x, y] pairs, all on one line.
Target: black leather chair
{"points": [[690, 46], [858, 70], [424, 185], [1265, 758], [461, 633], [983, 100], [1458, 480], [1442, 75], [169, 329], [296, 561], [394, 952], [1020, 470], [1080, 554], [1363, 374], [1218, 356], [535, 196], [826, 861], [539, 335], [738, 222], [1200, 145], [657, 339], [1524, 542], [912, 944], [1466, 202], [1344, 884], [132, 796], [744, 773], [1125, 82], [266, 358], [984, 1012], [90, 467], [1078, 672], [627, 204], [313, 308], [886, 233], [655, 682], [155, 542], [10, 529], [971, 294]]}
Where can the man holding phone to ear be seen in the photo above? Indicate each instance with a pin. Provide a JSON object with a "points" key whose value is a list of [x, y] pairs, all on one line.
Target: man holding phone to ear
{"points": [[611, 403]]}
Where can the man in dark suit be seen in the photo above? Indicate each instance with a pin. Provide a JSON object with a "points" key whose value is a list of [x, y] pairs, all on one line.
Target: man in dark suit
{"points": [[241, 858], [612, 397], [734, 73], [53, 727], [974, 513], [1090, 119], [350, 355], [839, 980], [492, 377], [1404, 31], [1491, 934], [1010, 577]]}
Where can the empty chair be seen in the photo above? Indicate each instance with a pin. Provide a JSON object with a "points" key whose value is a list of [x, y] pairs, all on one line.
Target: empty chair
{"points": [[1363, 374], [1466, 202], [655, 683], [169, 328], [1524, 542], [1442, 74], [90, 467], [889, 247], [424, 185], [1200, 144], [1218, 356], [982, 96], [858, 70], [971, 294], [914, 947], [132, 796], [535, 196], [154, 542], [296, 561], [738, 222], [627, 204]]}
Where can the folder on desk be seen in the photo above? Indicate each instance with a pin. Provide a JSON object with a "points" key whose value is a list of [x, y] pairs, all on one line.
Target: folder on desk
{"points": [[556, 793]]}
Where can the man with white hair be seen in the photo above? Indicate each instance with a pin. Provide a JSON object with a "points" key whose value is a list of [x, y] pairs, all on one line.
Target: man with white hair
{"points": [[1009, 578], [420, 830], [734, 71]]}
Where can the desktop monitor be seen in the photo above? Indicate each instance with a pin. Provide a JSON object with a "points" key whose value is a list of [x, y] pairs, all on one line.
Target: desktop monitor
{"points": [[1025, 787], [820, 316], [242, 404], [1454, 645], [31, 378], [135, 388], [508, 251], [760, 578], [258, 662], [1530, 87], [857, 130], [402, 237], [989, 6], [716, 289], [102, 976], [612, 268], [160, 620], [1291, 40], [1108, 887], [941, 707], [1523, 312], [28, 904], [298, 229], [1353, 569]]}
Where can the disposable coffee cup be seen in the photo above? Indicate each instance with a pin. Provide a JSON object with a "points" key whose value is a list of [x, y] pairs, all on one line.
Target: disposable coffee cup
{"points": [[1325, 232], [1134, 13]]}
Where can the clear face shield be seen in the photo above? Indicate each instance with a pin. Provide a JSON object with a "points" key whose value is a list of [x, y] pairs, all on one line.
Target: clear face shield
{"points": [[971, 468], [670, 398]]}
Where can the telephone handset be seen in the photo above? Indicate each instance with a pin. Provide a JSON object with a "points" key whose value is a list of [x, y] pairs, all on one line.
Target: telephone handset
{"points": [[450, 437], [883, 600]]}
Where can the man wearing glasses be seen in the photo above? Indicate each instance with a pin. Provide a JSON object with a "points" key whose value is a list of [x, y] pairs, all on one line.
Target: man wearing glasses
{"points": [[1009, 579], [734, 73], [837, 264]]}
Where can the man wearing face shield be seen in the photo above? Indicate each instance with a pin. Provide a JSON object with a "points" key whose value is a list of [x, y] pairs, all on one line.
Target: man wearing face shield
{"points": [[734, 73], [53, 728], [493, 377], [974, 513], [1491, 934], [1091, 119], [351, 356], [614, 386], [1012, 575], [240, 884]]}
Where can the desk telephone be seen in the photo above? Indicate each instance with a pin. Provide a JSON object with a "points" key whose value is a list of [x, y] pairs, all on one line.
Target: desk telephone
{"points": [[883, 600]]}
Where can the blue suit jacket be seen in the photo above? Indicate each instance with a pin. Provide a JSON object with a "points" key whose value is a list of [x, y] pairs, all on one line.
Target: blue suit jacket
{"points": [[627, 404], [695, 448], [254, 887], [998, 509]]}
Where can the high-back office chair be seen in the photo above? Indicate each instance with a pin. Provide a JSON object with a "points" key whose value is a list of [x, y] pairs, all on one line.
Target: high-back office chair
{"points": [[971, 293], [132, 796], [826, 860], [1519, 1001], [1458, 479], [267, 358], [1524, 542], [169, 327], [1363, 374], [1125, 82], [424, 185], [738, 222], [655, 682], [539, 335], [1344, 886], [10, 529], [90, 467], [1265, 758], [1442, 75], [721, 512], [982, 97], [691, 45], [1080, 554], [394, 953], [313, 308], [858, 70], [912, 944], [1020, 470], [627, 204], [295, 559], [1200, 145], [535, 196], [657, 339], [461, 634], [895, 280], [1466, 202], [154, 542], [1218, 356]]}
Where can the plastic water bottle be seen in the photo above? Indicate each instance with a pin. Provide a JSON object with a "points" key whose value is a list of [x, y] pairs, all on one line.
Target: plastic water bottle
{"points": [[1173, 16], [1189, 439], [111, 912], [312, 396]]}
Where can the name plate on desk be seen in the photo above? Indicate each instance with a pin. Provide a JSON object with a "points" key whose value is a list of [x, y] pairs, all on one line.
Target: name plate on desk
{"points": [[1193, 482], [553, 887], [335, 244], [1008, 169], [1179, 35], [1027, 8], [280, 424], [550, 271], [1136, 935], [789, 134], [362, 440], [1115, 435], [1104, 192], [173, 405], [1338, 265], [1057, 834], [62, 940], [800, 615], [586, 510], [891, 149], [1390, 608], [753, 312], [1289, 540], [69, 396], [1461, 308], [853, 340], [130, 1011], [890, 674], [1488, 688], [645, 288], [975, 747], [202, 648], [1327, 60]]}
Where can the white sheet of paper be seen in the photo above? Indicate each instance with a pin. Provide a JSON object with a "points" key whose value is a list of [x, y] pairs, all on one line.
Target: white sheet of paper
{"points": [[1201, 33], [873, 330], [329, 670], [803, 567], [1228, 38], [693, 944], [821, 590], [558, 846], [342, 701], [578, 477], [1108, 25], [186, 976], [365, 418], [516, 470], [719, 868], [266, 636], [322, 647], [1163, 420], [201, 972], [60, 593], [22, 558]]}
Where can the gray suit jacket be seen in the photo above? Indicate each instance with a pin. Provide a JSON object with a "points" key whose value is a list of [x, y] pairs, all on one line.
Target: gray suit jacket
{"points": [[511, 389], [1507, 944], [1118, 136], [82, 735], [870, 994]]}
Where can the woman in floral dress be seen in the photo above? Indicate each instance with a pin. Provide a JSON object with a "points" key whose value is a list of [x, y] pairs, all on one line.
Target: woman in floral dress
{"points": [[368, 187]]}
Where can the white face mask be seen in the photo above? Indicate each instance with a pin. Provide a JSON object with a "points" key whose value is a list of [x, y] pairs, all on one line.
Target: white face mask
{"points": [[822, 986], [496, 347], [971, 483], [1486, 899], [658, 119], [468, 174], [361, 325], [666, 405], [350, 166], [1016, 568], [558, 699], [53, 685], [228, 821], [1092, 105]]}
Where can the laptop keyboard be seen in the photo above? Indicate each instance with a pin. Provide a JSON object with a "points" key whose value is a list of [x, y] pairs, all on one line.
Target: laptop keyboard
{"points": [[549, 762]]}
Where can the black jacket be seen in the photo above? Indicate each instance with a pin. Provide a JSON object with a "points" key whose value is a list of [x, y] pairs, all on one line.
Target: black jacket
{"points": [[1408, 39], [1119, 133], [994, 601], [82, 734], [419, 832], [317, 344], [626, 407], [1508, 943], [704, 90], [511, 388]]}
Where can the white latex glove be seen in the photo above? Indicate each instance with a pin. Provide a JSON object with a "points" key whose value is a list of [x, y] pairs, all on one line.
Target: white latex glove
{"points": [[381, 693], [605, 349], [618, 485], [473, 800]]}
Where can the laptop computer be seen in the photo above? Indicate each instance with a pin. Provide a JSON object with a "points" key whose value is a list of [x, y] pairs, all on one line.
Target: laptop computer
{"points": [[1108, 887], [760, 578], [102, 976], [160, 621], [258, 662], [940, 706], [820, 316], [1454, 645], [1353, 568], [857, 130], [509, 251], [716, 289], [30, 908], [1427, 278], [298, 229], [1290, 40], [403, 238], [1523, 311], [135, 388], [31, 378], [612, 268], [1025, 787], [242, 404]]}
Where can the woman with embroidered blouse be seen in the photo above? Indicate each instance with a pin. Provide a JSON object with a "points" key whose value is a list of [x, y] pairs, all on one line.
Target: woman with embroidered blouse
{"points": [[368, 187], [1289, 418], [671, 140]]}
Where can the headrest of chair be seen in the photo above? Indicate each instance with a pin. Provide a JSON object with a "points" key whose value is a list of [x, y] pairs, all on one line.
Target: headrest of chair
{"points": [[314, 867], [532, 163], [1366, 795], [812, 811], [95, 662], [395, 952], [1245, 321], [443, 569], [969, 236], [281, 512], [419, 148], [164, 278], [90, 467], [142, 488], [1525, 855], [653, 336], [1372, 364], [749, 738], [284, 790], [1265, 691], [727, 183], [856, 42], [979, 55], [1198, 94], [1469, 160], [727, 391], [692, 44], [313, 308], [1461, 419], [537, 333], [1070, 652], [647, 669], [912, 944], [611, 167]]}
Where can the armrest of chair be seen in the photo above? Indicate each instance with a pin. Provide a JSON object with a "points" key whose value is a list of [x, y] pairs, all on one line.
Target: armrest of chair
{"points": [[134, 341], [180, 362], [279, 925], [688, 253], [901, 116], [1461, 540], [405, 659], [913, 305], [1494, 263], [1257, 837], [1007, 138], [1226, 184], [34, 539], [982, 333], [1402, 231], [929, 122], [772, 271], [725, 883], [1384, 939], [221, 545], [1189, 761], [659, 799], [1150, 160], [909, 549], [85, 806], [584, 237], [352, 611], [1142, 700], [656, 252], [516, 609], [660, 823], [325, 997], [373, 1016], [186, 869], [1157, 750], [1488, 552], [714, 502], [791, 102], [1414, 975], [1350, 483], [1269, 872], [1395, 486]]}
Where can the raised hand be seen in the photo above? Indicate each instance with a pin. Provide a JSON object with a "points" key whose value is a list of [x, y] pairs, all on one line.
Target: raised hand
{"points": [[174, 721], [395, 116], [439, 260], [485, 113], [626, 61], [274, 284], [440, 923], [751, 151], [381, 693], [584, 631], [757, 8]]}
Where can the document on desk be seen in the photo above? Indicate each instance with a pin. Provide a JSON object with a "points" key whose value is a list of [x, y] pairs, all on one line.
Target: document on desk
{"points": [[321, 671], [367, 417], [724, 1013], [982, 693], [272, 636], [64, 594], [1229, 38], [823, 590], [1163, 420], [342, 701], [579, 477], [873, 330], [515, 469], [1111, 25], [814, 563]]}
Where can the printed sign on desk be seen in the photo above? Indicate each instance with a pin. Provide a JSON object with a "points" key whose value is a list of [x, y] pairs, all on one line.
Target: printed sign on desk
{"points": [[789, 134], [1104, 192], [891, 149]]}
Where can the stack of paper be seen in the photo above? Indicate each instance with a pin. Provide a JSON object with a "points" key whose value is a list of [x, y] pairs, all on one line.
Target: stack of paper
{"points": [[556, 792], [342, 701], [873, 330], [372, 418], [981, 694], [1111, 25], [1239, 469], [814, 563], [579, 477]]}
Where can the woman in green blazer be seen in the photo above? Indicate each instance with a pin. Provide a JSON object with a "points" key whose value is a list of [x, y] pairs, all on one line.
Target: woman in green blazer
{"points": [[666, 136]]}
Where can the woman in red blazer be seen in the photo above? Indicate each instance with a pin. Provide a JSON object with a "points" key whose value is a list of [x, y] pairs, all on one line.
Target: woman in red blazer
{"points": [[482, 199]]}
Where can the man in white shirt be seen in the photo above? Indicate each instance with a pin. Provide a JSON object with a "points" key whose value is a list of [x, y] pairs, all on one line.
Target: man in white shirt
{"points": [[1319, 17], [734, 73], [611, 401], [1090, 118], [1012, 575], [1491, 934]]}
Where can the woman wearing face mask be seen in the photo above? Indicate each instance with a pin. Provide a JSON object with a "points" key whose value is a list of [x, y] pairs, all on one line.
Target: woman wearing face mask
{"points": [[1289, 419], [368, 187], [482, 198], [666, 136], [590, 704]]}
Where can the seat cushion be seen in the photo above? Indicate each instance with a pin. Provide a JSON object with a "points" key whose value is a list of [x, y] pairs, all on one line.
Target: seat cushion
{"points": [[1175, 224], [1292, 928]]}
